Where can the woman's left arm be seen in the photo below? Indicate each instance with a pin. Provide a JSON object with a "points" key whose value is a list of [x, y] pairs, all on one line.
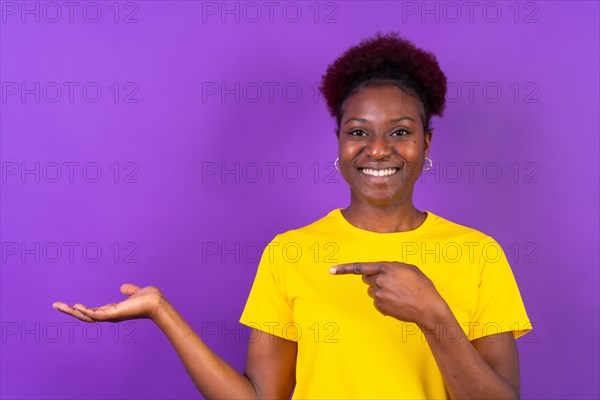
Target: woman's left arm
{"points": [[487, 367]]}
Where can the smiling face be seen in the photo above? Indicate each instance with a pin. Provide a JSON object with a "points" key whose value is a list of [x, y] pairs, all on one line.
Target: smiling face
{"points": [[382, 145]]}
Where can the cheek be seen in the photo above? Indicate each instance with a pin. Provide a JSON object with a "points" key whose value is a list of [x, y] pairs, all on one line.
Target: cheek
{"points": [[410, 149], [348, 150]]}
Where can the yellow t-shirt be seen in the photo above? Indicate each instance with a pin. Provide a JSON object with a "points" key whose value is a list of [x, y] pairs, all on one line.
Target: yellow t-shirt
{"points": [[346, 348]]}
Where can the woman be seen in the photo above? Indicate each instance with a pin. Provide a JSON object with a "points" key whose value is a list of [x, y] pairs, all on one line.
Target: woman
{"points": [[436, 309]]}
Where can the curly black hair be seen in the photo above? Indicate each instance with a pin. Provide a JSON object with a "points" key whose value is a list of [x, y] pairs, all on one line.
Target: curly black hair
{"points": [[386, 60]]}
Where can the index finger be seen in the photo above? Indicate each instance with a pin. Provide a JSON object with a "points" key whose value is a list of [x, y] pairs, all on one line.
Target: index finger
{"points": [[363, 268]]}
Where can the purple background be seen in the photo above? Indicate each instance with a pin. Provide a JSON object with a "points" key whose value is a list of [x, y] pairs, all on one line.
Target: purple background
{"points": [[174, 217]]}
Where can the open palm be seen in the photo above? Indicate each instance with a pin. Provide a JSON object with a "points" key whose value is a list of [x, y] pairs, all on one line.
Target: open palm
{"points": [[142, 303]]}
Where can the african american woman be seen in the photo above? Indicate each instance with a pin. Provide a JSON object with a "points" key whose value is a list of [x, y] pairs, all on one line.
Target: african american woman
{"points": [[406, 305]]}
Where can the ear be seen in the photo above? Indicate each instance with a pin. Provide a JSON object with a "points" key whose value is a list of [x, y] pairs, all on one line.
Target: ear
{"points": [[427, 138]]}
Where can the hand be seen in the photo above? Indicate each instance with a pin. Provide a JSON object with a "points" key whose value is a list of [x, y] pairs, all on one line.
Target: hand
{"points": [[142, 303], [399, 290]]}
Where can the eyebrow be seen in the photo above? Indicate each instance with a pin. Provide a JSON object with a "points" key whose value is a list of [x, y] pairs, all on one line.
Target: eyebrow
{"points": [[366, 120]]}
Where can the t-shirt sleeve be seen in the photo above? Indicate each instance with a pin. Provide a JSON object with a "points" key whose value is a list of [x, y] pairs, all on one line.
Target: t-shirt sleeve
{"points": [[268, 307], [499, 306]]}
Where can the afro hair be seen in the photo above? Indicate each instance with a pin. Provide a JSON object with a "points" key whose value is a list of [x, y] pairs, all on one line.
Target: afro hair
{"points": [[386, 59]]}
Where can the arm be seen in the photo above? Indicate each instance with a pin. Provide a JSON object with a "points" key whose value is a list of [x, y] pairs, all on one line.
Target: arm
{"points": [[270, 366], [488, 367]]}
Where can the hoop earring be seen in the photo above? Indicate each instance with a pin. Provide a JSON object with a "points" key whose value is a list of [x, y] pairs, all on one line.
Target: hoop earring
{"points": [[428, 164], [336, 164]]}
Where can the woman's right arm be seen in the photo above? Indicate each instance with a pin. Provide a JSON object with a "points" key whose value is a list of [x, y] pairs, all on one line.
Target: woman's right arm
{"points": [[270, 366], [271, 360]]}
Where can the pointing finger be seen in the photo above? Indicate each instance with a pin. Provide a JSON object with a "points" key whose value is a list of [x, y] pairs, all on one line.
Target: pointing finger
{"points": [[364, 268]]}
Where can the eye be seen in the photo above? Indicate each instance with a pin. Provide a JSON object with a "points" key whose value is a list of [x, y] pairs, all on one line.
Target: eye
{"points": [[357, 132], [400, 132]]}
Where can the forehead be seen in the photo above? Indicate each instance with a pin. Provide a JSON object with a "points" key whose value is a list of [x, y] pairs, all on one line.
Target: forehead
{"points": [[382, 101]]}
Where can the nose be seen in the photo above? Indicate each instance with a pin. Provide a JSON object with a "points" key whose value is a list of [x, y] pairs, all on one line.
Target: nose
{"points": [[378, 147]]}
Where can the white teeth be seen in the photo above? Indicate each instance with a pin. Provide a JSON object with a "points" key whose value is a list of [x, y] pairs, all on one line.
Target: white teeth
{"points": [[379, 172]]}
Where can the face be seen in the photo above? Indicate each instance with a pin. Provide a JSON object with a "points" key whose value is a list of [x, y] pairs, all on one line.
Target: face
{"points": [[382, 145]]}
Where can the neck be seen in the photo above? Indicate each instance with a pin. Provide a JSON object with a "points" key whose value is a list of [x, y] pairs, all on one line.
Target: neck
{"points": [[384, 218]]}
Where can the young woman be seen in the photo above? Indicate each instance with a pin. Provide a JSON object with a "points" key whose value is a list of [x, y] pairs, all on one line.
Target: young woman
{"points": [[435, 310]]}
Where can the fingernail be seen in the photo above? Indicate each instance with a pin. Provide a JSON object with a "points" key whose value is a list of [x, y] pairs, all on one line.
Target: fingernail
{"points": [[332, 270]]}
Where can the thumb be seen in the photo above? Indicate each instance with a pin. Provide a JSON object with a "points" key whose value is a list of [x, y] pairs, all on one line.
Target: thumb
{"points": [[129, 289]]}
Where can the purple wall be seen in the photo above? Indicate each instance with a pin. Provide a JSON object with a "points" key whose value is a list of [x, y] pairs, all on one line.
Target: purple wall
{"points": [[165, 143]]}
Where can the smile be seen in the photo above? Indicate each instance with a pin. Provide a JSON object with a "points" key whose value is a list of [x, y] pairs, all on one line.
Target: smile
{"points": [[379, 172]]}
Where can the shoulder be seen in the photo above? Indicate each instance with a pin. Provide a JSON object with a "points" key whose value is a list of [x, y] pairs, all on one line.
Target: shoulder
{"points": [[479, 245], [441, 227], [325, 225]]}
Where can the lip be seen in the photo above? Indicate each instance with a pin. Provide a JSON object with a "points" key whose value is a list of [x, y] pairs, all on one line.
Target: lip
{"points": [[378, 167]]}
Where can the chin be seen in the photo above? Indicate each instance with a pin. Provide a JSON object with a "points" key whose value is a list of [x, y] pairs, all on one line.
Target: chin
{"points": [[380, 199]]}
